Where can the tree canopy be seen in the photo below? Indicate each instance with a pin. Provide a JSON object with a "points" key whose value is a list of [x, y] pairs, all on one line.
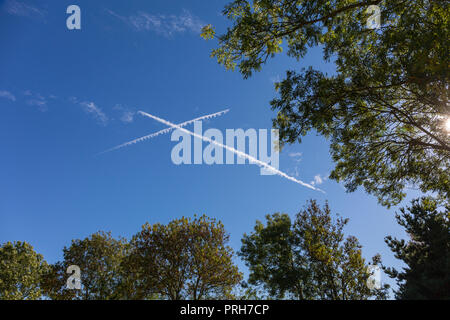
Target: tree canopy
{"points": [[384, 110], [21, 269], [426, 254], [308, 258], [185, 259], [99, 258]]}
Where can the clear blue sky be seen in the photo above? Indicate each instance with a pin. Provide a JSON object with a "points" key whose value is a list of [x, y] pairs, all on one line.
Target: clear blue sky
{"points": [[67, 95]]}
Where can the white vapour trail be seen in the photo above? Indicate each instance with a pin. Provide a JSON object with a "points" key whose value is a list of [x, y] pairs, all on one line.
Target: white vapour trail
{"points": [[208, 116], [237, 152]]}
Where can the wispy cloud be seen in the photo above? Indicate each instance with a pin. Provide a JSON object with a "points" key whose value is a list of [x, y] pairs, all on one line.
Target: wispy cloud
{"points": [[318, 179], [22, 9], [40, 101], [95, 111], [74, 100], [127, 115], [92, 109], [36, 100], [237, 152], [41, 104], [294, 172], [149, 136], [8, 95], [166, 25], [296, 156]]}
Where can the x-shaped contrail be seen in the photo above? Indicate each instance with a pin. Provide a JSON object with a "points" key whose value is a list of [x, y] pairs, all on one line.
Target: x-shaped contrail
{"points": [[208, 116], [180, 126], [237, 152]]}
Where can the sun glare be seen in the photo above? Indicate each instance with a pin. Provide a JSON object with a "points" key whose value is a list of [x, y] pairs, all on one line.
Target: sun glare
{"points": [[447, 125]]}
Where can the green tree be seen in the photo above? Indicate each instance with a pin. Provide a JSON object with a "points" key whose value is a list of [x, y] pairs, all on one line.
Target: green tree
{"points": [[384, 110], [185, 259], [426, 254], [100, 259], [308, 258], [21, 269]]}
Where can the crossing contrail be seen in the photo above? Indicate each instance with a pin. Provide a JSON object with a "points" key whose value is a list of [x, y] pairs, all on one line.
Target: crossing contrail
{"points": [[208, 116], [237, 152]]}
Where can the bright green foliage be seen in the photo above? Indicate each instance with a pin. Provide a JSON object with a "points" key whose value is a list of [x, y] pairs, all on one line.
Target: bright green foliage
{"points": [[384, 110], [99, 258], [426, 254], [185, 259], [208, 32], [21, 269], [307, 258]]}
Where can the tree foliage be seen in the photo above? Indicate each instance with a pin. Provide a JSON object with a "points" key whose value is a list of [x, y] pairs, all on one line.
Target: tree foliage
{"points": [[185, 259], [21, 269], [99, 257], [385, 108], [426, 254], [307, 258]]}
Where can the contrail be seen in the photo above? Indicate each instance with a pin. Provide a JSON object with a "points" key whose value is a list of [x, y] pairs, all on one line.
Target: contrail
{"points": [[208, 116], [237, 152]]}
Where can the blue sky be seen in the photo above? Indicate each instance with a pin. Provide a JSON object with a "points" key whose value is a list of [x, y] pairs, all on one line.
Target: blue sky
{"points": [[67, 95]]}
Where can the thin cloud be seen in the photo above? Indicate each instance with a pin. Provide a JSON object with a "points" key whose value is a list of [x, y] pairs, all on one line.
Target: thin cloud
{"points": [[36, 100], [74, 100], [237, 152], [296, 156], [166, 25], [7, 95], [209, 116], [22, 9], [318, 179], [41, 104], [95, 111], [294, 172], [92, 109], [127, 115]]}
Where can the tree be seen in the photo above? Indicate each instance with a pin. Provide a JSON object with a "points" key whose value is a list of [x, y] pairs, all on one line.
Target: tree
{"points": [[308, 258], [426, 254], [385, 109], [99, 258], [21, 269], [185, 259]]}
